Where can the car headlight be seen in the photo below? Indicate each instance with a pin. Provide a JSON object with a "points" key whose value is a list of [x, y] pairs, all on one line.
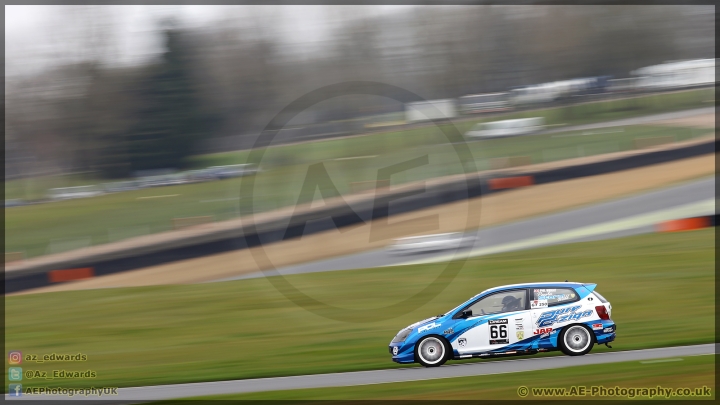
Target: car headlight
{"points": [[401, 336]]}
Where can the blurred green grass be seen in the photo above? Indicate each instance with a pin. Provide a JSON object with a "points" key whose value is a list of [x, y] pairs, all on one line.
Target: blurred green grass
{"points": [[37, 230], [50, 228], [661, 287], [399, 140], [431, 136], [679, 372]]}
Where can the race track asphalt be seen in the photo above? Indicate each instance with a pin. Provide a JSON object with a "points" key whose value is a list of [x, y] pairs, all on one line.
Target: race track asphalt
{"points": [[627, 216], [451, 370]]}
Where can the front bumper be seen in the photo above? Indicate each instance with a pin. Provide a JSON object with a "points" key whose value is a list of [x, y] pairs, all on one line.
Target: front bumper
{"points": [[402, 352]]}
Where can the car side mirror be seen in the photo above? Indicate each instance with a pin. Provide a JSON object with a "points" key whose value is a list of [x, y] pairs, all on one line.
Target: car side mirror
{"points": [[466, 313]]}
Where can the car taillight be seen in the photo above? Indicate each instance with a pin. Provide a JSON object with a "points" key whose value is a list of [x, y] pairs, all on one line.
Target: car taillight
{"points": [[602, 312]]}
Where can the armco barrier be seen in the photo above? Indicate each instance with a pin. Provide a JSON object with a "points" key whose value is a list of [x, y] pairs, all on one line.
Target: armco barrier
{"points": [[320, 221], [625, 163]]}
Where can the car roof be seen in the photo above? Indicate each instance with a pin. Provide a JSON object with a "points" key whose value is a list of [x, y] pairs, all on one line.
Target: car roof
{"points": [[561, 284], [536, 285]]}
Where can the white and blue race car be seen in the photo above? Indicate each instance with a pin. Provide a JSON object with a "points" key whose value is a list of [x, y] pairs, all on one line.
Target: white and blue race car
{"points": [[511, 320]]}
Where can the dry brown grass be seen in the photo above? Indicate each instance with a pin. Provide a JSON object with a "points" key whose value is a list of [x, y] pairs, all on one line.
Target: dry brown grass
{"points": [[698, 121]]}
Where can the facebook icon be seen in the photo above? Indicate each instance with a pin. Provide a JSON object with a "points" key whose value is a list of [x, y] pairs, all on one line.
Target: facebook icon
{"points": [[15, 390]]}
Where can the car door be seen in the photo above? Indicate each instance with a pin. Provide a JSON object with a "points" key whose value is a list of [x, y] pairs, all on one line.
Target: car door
{"points": [[498, 320]]}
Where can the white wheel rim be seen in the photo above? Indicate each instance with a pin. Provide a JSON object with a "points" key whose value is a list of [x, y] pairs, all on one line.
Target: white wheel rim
{"points": [[577, 339], [431, 350]]}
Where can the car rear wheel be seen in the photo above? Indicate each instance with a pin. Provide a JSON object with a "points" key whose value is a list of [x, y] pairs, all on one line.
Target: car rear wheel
{"points": [[576, 340], [431, 351]]}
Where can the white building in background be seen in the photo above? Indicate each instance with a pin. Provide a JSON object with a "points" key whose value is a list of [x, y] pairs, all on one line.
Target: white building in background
{"points": [[430, 110], [513, 127], [67, 193], [481, 103], [680, 74], [540, 93]]}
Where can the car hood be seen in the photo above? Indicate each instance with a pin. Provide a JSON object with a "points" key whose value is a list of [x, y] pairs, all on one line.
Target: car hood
{"points": [[424, 321]]}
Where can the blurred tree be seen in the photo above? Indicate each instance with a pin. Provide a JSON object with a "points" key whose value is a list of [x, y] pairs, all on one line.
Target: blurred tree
{"points": [[170, 119], [228, 79]]}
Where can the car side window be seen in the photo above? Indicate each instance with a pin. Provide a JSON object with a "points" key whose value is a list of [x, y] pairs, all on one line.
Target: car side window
{"points": [[505, 301], [554, 296]]}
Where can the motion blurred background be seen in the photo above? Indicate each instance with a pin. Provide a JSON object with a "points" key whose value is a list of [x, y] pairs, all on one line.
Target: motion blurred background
{"points": [[129, 132], [115, 99]]}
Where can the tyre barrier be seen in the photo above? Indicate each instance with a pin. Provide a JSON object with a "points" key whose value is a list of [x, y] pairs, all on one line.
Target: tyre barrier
{"points": [[688, 224], [503, 183], [60, 276]]}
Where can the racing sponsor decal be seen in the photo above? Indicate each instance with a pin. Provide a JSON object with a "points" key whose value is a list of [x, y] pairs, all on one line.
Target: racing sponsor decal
{"points": [[422, 322], [462, 342], [608, 330], [428, 327], [448, 331], [553, 294], [498, 322], [520, 334], [557, 297], [498, 331], [597, 326], [542, 331], [538, 304], [561, 315]]}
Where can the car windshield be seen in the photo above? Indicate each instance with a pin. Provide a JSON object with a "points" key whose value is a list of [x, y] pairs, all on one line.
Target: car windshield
{"points": [[463, 303]]}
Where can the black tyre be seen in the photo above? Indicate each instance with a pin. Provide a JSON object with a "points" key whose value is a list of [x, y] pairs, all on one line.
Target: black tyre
{"points": [[576, 340], [431, 351]]}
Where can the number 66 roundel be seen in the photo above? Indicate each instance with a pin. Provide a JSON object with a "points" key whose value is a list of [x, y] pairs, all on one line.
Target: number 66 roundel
{"points": [[498, 331]]}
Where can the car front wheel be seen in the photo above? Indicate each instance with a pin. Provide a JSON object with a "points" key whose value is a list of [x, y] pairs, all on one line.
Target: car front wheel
{"points": [[431, 351], [576, 340]]}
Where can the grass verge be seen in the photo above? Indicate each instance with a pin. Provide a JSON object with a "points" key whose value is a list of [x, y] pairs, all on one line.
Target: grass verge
{"points": [[247, 329]]}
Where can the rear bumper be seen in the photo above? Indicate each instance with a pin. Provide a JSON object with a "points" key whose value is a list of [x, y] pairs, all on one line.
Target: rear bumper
{"points": [[607, 333]]}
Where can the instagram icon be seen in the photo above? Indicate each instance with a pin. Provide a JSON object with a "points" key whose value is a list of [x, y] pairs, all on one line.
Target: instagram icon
{"points": [[14, 357]]}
